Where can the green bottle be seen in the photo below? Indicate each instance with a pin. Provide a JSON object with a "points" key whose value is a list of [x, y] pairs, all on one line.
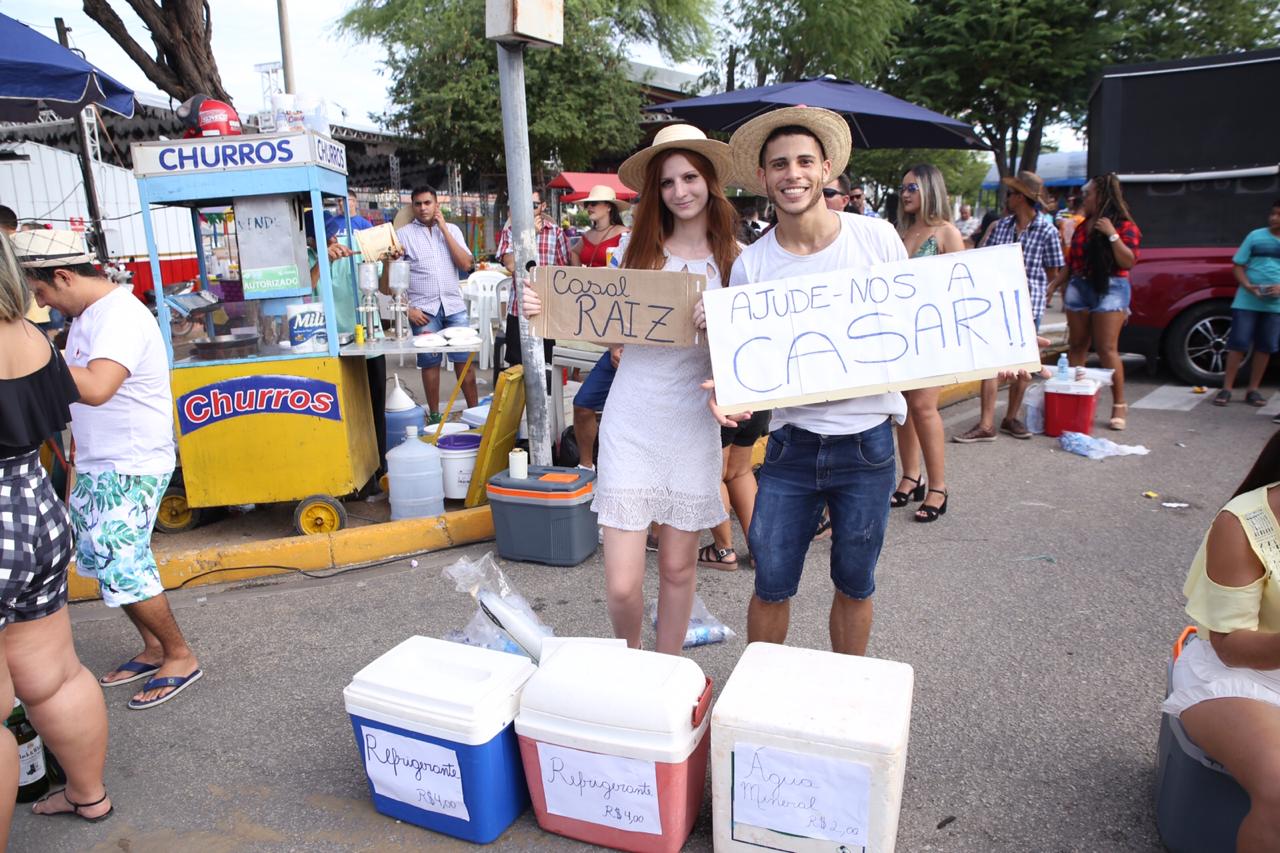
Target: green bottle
{"points": [[33, 781]]}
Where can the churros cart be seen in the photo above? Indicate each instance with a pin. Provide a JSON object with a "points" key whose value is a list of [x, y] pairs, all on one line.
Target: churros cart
{"points": [[266, 408]]}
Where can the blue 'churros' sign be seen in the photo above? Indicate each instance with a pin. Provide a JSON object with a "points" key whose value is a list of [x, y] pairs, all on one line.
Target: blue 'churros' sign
{"points": [[257, 395]]}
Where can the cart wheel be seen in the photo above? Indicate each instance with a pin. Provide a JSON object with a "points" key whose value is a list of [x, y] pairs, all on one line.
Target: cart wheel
{"points": [[175, 514], [319, 514]]}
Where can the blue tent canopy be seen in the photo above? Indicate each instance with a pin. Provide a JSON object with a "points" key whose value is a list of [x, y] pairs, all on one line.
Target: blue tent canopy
{"points": [[1058, 169], [38, 73], [877, 120]]}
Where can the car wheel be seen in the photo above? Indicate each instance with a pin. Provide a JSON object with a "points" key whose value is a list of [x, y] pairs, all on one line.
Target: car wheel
{"points": [[1196, 343]]}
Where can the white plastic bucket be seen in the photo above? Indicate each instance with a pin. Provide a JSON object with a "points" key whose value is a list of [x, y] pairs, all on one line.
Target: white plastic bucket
{"points": [[458, 459]]}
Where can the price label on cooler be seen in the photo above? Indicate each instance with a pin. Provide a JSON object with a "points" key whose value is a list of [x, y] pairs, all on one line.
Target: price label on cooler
{"points": [[801, 794], [421, 774], [601, 789]]}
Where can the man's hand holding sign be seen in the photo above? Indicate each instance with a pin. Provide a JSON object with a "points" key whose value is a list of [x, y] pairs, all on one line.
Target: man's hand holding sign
{"points": [[909, 324]]}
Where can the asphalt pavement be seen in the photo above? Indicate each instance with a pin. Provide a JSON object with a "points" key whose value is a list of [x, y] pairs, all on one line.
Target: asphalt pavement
{"points": [[1038, 615]]}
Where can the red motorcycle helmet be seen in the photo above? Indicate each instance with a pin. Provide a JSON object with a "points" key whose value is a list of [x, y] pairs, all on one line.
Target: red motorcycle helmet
{"points": [[204, 116]]}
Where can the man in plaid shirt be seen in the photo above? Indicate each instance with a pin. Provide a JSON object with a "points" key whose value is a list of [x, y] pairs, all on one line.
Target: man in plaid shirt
{"points": [[553, 250], [1042, 255]]}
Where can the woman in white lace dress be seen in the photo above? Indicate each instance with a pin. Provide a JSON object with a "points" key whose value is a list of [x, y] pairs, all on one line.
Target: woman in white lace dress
{"points": [[659, 443]]}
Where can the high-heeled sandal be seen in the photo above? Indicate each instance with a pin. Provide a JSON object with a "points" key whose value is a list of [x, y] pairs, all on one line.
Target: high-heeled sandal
{"points": [[1117, 424], [926, 513], [898, 499]]}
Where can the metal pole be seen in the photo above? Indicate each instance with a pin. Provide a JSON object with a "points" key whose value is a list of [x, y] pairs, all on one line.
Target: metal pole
{"points": [[98, 239], [515, 133], [286, 52]]}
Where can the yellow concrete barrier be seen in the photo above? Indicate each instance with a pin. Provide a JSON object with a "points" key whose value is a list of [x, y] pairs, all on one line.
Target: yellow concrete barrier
{"points": [[319, 553]]}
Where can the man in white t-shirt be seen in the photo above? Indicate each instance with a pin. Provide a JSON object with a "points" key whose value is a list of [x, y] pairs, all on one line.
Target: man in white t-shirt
{"points": [[838, 454], [124, 451]]}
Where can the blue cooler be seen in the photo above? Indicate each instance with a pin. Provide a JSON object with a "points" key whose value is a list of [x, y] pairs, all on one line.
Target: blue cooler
{"points": [[433, 726]]}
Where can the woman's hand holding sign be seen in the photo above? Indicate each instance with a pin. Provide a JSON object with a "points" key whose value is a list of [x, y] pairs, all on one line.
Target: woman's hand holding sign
{"points": [[722, 418], [530, 304]]}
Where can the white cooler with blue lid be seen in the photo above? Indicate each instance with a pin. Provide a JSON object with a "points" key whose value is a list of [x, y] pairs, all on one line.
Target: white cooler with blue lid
{"points": [[614, 743], [809, 750], [433, 723]]}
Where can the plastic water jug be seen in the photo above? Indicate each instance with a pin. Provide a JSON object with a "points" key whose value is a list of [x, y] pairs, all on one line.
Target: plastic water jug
{"points": [[415, 478], [401, 412]]}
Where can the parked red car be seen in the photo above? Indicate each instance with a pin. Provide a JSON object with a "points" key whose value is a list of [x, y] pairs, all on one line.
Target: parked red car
{"points": [[1182, 311]]}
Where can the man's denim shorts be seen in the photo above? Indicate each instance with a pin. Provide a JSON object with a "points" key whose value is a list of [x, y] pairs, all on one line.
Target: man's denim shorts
{"points": [[595, 388], [1257, 329], [435, 324], [851, 475], [1082, 297]]}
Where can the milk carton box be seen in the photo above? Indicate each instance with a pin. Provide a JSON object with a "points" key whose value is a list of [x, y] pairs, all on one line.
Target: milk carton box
{"points": [[307, 331]]}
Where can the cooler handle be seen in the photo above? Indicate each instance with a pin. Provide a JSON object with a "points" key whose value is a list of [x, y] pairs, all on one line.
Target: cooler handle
{"points": [[703, 705]]}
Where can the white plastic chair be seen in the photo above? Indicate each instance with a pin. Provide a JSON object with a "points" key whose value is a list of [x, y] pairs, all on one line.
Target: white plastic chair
{"points": [[483, 287]]}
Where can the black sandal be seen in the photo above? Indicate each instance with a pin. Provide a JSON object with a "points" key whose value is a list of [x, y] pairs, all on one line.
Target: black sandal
{"points": [[926, 513], [714, 558], [74, 811], [898, 499]]}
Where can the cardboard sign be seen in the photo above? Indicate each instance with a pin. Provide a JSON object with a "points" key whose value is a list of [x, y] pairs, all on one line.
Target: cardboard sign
{"points": [[424, 775], [377, 242], [606, 305], [602, 789], [855, 332], [799, 794]]}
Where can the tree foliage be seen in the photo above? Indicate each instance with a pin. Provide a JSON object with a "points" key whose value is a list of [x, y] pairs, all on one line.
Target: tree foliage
{"points": [[181, 35], [761, 43], [581, 104], [1012, 66]]}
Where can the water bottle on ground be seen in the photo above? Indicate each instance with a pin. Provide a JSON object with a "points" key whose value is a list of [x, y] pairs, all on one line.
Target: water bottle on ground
{"points": [[415, 478]]}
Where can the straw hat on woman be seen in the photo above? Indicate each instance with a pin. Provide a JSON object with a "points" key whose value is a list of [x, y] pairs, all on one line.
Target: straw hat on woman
{"points": [[604, 209]]}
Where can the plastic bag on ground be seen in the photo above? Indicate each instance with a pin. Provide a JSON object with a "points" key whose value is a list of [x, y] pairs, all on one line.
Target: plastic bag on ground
{"points": [[1098, 448], [504, 621], [1034, 402], [704, 628]]}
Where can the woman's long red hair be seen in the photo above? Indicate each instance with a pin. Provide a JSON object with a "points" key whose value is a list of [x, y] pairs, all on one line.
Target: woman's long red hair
{"points": [[653, 222]]}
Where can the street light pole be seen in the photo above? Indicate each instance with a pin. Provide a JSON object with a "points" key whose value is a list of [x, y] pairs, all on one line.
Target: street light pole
{"points": [[515, 136], [99, 239], [286, 50]]}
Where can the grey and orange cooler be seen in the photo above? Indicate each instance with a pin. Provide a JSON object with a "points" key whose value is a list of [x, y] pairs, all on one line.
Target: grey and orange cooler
{"points": [[546, 517]]}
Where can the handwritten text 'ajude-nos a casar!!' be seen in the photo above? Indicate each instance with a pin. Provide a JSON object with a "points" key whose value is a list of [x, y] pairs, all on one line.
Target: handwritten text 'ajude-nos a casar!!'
{"points": [[849, 329]]}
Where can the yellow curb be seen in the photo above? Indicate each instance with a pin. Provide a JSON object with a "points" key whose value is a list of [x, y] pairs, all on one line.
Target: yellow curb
{"points": [[320, 552]]}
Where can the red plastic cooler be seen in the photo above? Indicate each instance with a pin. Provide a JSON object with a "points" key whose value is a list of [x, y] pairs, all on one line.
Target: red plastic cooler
{"points": [[614, 744], [1069, 406]]}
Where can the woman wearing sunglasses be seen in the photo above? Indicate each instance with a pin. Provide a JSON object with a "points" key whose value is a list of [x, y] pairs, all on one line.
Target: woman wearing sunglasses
{"points": [[926, 229]]}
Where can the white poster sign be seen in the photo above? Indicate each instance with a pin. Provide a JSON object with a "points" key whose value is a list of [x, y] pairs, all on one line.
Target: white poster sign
{"points": [[854, 332], [810, 796], [421, 774], [602, 789]]}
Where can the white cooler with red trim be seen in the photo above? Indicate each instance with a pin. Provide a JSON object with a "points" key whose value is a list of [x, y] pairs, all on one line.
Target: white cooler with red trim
{"points": [[614, 744], [808, 751]]}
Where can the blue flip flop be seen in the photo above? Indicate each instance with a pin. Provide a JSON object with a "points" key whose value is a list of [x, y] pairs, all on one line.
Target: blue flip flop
{"points": [[178, 684], [139, 670]]}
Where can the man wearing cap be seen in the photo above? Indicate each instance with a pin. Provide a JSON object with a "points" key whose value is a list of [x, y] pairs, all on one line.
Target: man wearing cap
{"points": [[838, 454], [1042, 257], [123, 453]]}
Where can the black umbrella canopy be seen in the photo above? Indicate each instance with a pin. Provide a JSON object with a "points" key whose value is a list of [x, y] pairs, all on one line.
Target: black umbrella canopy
{"points": [[877, 120]]}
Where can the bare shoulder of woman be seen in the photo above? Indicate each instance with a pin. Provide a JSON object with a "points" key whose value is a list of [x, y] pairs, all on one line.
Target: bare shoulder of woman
{"points": [[23, 349], [949, 239], [1229, 559]]}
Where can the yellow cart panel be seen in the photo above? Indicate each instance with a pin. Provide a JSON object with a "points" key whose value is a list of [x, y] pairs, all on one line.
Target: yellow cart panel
{"points": [[265, 432]]}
